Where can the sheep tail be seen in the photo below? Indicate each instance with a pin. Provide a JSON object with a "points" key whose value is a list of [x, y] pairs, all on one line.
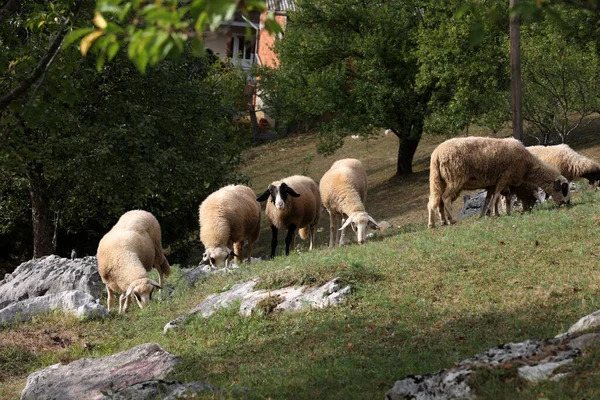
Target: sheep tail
{"points": [[303, 232]]}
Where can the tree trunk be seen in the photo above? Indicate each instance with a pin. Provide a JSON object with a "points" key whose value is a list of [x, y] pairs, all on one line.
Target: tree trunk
{"points": [[42, 232], [406, 153], [515, 73]]}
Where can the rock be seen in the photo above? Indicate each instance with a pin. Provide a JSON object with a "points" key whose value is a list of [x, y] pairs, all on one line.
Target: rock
{"points": [[290, 298], [542, 372], [166, 390], [473, 204], [447, 385], [588, 322], [76, 302], [538, 359], [48, 275], [87, 378]]}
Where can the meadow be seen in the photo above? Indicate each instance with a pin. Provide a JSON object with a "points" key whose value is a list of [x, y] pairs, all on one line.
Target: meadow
{"points": [[421, 299]]}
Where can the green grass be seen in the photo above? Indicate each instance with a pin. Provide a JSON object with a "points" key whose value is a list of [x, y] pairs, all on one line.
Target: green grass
{"points": [[421, 300]]}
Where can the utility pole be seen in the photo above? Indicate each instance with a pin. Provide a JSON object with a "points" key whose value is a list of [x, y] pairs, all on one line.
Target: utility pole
{"points": [[515, 73]]}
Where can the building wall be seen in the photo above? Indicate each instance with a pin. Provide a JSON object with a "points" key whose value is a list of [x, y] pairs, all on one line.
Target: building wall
{"points": [[267, 40]]}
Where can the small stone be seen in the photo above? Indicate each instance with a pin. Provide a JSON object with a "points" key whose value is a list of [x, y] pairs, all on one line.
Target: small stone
{"points": [[541, 372]]}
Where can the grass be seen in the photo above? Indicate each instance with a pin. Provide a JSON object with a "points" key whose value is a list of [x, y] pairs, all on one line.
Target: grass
{"points": [[421, 300]]}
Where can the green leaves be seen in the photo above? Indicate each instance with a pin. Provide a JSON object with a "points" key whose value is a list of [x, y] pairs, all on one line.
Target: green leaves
{"points": [[153, 31]]}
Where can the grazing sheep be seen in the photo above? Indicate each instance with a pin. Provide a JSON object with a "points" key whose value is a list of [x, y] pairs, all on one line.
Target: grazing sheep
{"points": [[343, 193], [228, 217], [125, 256], [526, 193], [477, 162], [570, 163], [295, 203]]}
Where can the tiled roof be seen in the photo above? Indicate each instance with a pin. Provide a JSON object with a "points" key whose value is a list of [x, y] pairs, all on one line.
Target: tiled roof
{"points": [[281, 5]]}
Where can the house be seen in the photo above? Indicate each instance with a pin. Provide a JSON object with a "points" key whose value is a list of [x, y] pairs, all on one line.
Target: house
{"points": [[245, 41]]}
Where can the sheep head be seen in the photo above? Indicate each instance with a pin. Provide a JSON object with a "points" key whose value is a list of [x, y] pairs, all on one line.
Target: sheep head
{"points": [[278, 194], [218, 257], [142, 290], [560, 191], [360, 222]]}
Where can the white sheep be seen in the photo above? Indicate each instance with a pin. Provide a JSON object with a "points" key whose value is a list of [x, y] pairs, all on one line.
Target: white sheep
{"points": [[477, 162], [571, 164], [125, 256], [343, 193], [295, 204], [228, 217]]}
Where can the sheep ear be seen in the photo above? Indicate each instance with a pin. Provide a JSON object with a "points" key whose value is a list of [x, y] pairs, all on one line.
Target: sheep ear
{"points": [[373, 223], [565, 188], [264, 196], [155, 284], [557, 185], [291, 192], [348, 221]]}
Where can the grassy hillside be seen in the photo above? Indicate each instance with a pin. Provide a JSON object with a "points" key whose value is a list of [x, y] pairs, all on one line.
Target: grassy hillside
{"points": [[422, 299]]}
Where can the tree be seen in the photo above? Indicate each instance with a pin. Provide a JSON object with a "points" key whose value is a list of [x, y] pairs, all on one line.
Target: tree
{"points": [[90, 146], [351, 66]]}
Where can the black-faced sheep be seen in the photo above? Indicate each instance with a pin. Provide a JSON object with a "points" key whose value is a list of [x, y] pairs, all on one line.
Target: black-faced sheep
{"points": [[228, 217], [125, 256], [343, 193], [295, 204], [571, 164], [477, 162]]}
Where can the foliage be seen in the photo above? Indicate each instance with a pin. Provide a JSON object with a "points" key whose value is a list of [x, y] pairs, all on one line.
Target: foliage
{"points": [[101, 144], [471, 78], [349, 66], [562, 79], [155, 30]]}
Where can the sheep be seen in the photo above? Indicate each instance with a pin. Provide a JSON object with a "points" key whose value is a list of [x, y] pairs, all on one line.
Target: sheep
{"points": [[343, 193], [229, 216], [477, 162], [295, 203], [127, 253], [571, 164]]}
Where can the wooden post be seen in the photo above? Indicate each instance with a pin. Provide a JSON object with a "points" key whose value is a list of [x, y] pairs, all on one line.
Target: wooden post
{"points": [[515, 73]]}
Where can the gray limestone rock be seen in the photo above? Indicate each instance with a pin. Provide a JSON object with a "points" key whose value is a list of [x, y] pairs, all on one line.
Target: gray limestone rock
{"points": [[51, 274], [165, 390], [290, 298], [76, 302], [588, 322], [87, 378], [538, 360]]}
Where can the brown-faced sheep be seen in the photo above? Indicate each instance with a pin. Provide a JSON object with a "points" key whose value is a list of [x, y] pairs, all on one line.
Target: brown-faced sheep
{"points": [[570, 163], [477, 162], [125, 256], [295, 204], [343, 193], [228, 217]]}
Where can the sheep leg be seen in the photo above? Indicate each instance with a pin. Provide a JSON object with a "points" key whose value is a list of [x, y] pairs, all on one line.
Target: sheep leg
{"points": [[237, 249], [486, 203], [123, 303], [343, 235], [339, 220], [447, 203], [110, 297], [273, 240], [332, 228], [249, 252], [289, 238], [507, 203]]}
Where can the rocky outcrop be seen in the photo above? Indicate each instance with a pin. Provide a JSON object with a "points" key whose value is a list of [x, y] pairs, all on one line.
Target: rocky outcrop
{"points": [[535, 361], [290, 298], [75, 302], [165, 390], [48, 275], [87, 378]]}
